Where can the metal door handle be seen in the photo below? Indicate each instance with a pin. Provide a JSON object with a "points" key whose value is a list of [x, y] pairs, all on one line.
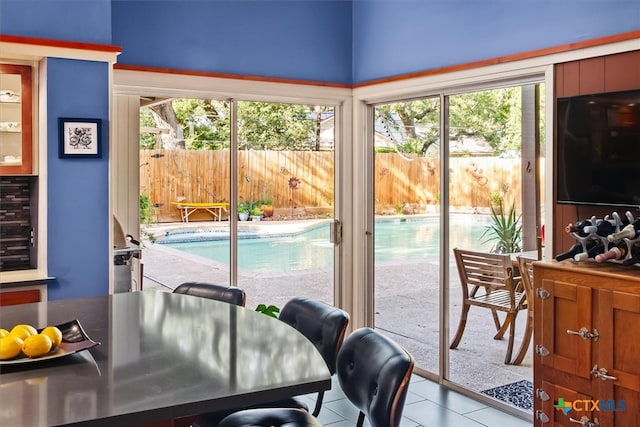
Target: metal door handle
{"points": [[602, 374], [585, 334], [585, 422]]}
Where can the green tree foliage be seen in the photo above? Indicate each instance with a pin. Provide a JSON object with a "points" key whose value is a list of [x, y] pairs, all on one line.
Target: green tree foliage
{"points": [[205, 125], [148, 141], [412, 126], [402, 119], [493, 114], [272, 126]]}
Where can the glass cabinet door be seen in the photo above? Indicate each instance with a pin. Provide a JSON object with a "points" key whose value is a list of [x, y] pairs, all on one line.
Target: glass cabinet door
{"points": [[15, 119]]}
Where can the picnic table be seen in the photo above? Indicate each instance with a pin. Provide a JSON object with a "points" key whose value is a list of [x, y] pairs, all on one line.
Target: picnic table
{"points": [[214, 208]]}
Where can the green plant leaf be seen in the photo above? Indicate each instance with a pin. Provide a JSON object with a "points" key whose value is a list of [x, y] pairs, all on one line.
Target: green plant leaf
{"points": [[505, 230], [270, 310]]}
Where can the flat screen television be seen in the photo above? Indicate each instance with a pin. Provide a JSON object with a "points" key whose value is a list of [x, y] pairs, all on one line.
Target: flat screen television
{"points": [[598, 149]]}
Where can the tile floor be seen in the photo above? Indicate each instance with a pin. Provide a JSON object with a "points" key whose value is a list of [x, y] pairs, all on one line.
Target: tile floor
{"points": [[427, 404]]}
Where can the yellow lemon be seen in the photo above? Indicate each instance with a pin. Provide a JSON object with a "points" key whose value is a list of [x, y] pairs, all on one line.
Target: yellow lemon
{"points": [[20, 332], [54, 333], [10, 347], [29, 328], [3, 333], [37, 345]]}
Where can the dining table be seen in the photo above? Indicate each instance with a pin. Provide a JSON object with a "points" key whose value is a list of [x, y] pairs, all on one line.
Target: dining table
{"points": [[140, 357]]}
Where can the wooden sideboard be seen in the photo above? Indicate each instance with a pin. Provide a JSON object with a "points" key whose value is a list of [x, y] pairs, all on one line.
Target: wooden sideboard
{"points": [[586, 344]]}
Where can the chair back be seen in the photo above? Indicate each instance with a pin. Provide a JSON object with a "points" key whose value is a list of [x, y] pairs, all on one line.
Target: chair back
{"points": [[525, 265], [374, 374], [323, 324], [228, 294], [484, 270]]}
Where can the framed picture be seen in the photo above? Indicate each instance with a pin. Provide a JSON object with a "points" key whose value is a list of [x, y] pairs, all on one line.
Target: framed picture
{"points": [[80, 138]]}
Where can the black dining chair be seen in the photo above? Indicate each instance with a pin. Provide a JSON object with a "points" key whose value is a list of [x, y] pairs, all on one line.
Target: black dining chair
{"points": [[228, 294], [373, 372], [322, 324]]}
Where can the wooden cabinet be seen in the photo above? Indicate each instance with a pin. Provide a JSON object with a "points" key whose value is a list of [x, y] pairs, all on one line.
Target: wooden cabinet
{"points": [[610, 73], [586, 344], [16, 138]]}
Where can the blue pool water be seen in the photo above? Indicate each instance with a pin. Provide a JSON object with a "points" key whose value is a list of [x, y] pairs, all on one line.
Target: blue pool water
{"points": [[394, 240]]}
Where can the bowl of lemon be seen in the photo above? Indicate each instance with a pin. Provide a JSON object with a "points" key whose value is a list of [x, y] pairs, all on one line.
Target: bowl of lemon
{"points": [[24, 343]]}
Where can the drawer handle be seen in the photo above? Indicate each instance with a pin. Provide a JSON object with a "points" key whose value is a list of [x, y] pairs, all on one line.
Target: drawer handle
{"points": [[585, 422], [602, 374], [542, 395], [542, 293], [542, 417], [541, 350], [585, 334]]}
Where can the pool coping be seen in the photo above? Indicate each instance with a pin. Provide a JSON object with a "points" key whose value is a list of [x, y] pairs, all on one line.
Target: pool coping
{"points": [[246, 229]]}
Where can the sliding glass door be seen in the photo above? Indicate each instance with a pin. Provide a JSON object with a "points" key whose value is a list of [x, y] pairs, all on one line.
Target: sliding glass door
{"points": [[286, 201], [490, 149], [239, 192], [406, 231]]}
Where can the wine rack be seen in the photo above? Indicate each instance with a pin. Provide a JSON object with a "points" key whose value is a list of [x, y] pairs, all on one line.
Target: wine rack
{"points": [[593, 236]]}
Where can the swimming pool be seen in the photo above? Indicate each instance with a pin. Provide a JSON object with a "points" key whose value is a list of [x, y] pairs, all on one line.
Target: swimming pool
{"points": [[395, 240]]}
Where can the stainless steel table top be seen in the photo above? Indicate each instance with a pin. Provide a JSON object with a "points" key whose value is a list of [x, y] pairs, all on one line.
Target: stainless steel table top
{"points": [[161, 356]]}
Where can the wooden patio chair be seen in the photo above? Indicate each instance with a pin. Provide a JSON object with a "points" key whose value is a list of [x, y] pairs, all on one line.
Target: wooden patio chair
{"points": [[525, 265], [488, 281]]}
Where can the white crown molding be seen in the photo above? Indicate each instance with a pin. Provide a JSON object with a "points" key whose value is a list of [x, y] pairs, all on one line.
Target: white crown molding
{"points": [[35, 52]]}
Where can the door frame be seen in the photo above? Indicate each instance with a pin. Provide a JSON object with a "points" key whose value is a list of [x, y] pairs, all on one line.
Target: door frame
{"points": [[128, 83]]}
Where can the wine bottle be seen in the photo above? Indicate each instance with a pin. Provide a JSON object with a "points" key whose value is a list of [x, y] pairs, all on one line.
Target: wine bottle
{"points": [[630, 232], [635, 256], [575, 250], [617, 252], [602, 228], [578, 227], [598, 248]]}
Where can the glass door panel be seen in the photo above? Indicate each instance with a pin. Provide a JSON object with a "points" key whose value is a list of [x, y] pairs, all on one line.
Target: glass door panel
{"points": [[285, 196], [185, 191], [485, 207], [407, 229], [15, 119], [285, 201]]}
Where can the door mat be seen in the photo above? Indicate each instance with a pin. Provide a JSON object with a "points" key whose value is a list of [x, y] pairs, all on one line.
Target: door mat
{"points": [[519, 394]]}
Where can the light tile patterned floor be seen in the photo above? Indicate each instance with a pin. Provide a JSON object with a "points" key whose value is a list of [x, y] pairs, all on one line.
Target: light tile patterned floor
{"points": [[427, 404]]}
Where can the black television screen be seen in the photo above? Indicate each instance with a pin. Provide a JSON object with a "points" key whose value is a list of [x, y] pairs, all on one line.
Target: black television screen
{"points": [[598, 149]]}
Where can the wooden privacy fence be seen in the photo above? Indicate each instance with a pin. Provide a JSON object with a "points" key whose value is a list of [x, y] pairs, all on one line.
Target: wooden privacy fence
{"points": [[401, 184]]}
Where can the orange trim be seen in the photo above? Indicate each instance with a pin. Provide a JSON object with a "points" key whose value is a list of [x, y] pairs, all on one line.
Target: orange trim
{"points": [[59, 43], [442, 70], [227, 76], [458, 67], [19, 297], [508, 58]]}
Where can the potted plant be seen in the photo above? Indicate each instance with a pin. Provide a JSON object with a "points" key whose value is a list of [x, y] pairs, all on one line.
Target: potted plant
{"points": [[505, 230], [495, 200], [266, 205], [243, 212], [256, 213]]}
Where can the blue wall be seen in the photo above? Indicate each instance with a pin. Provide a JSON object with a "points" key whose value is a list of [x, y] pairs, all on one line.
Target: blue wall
{"points": [[303, 39], [83, 21], [78, 211], [78, 207], [394, 37], [340, 41]]}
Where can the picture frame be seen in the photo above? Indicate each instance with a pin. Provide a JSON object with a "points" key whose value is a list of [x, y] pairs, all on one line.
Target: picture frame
{"points": [[80, 138]]}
